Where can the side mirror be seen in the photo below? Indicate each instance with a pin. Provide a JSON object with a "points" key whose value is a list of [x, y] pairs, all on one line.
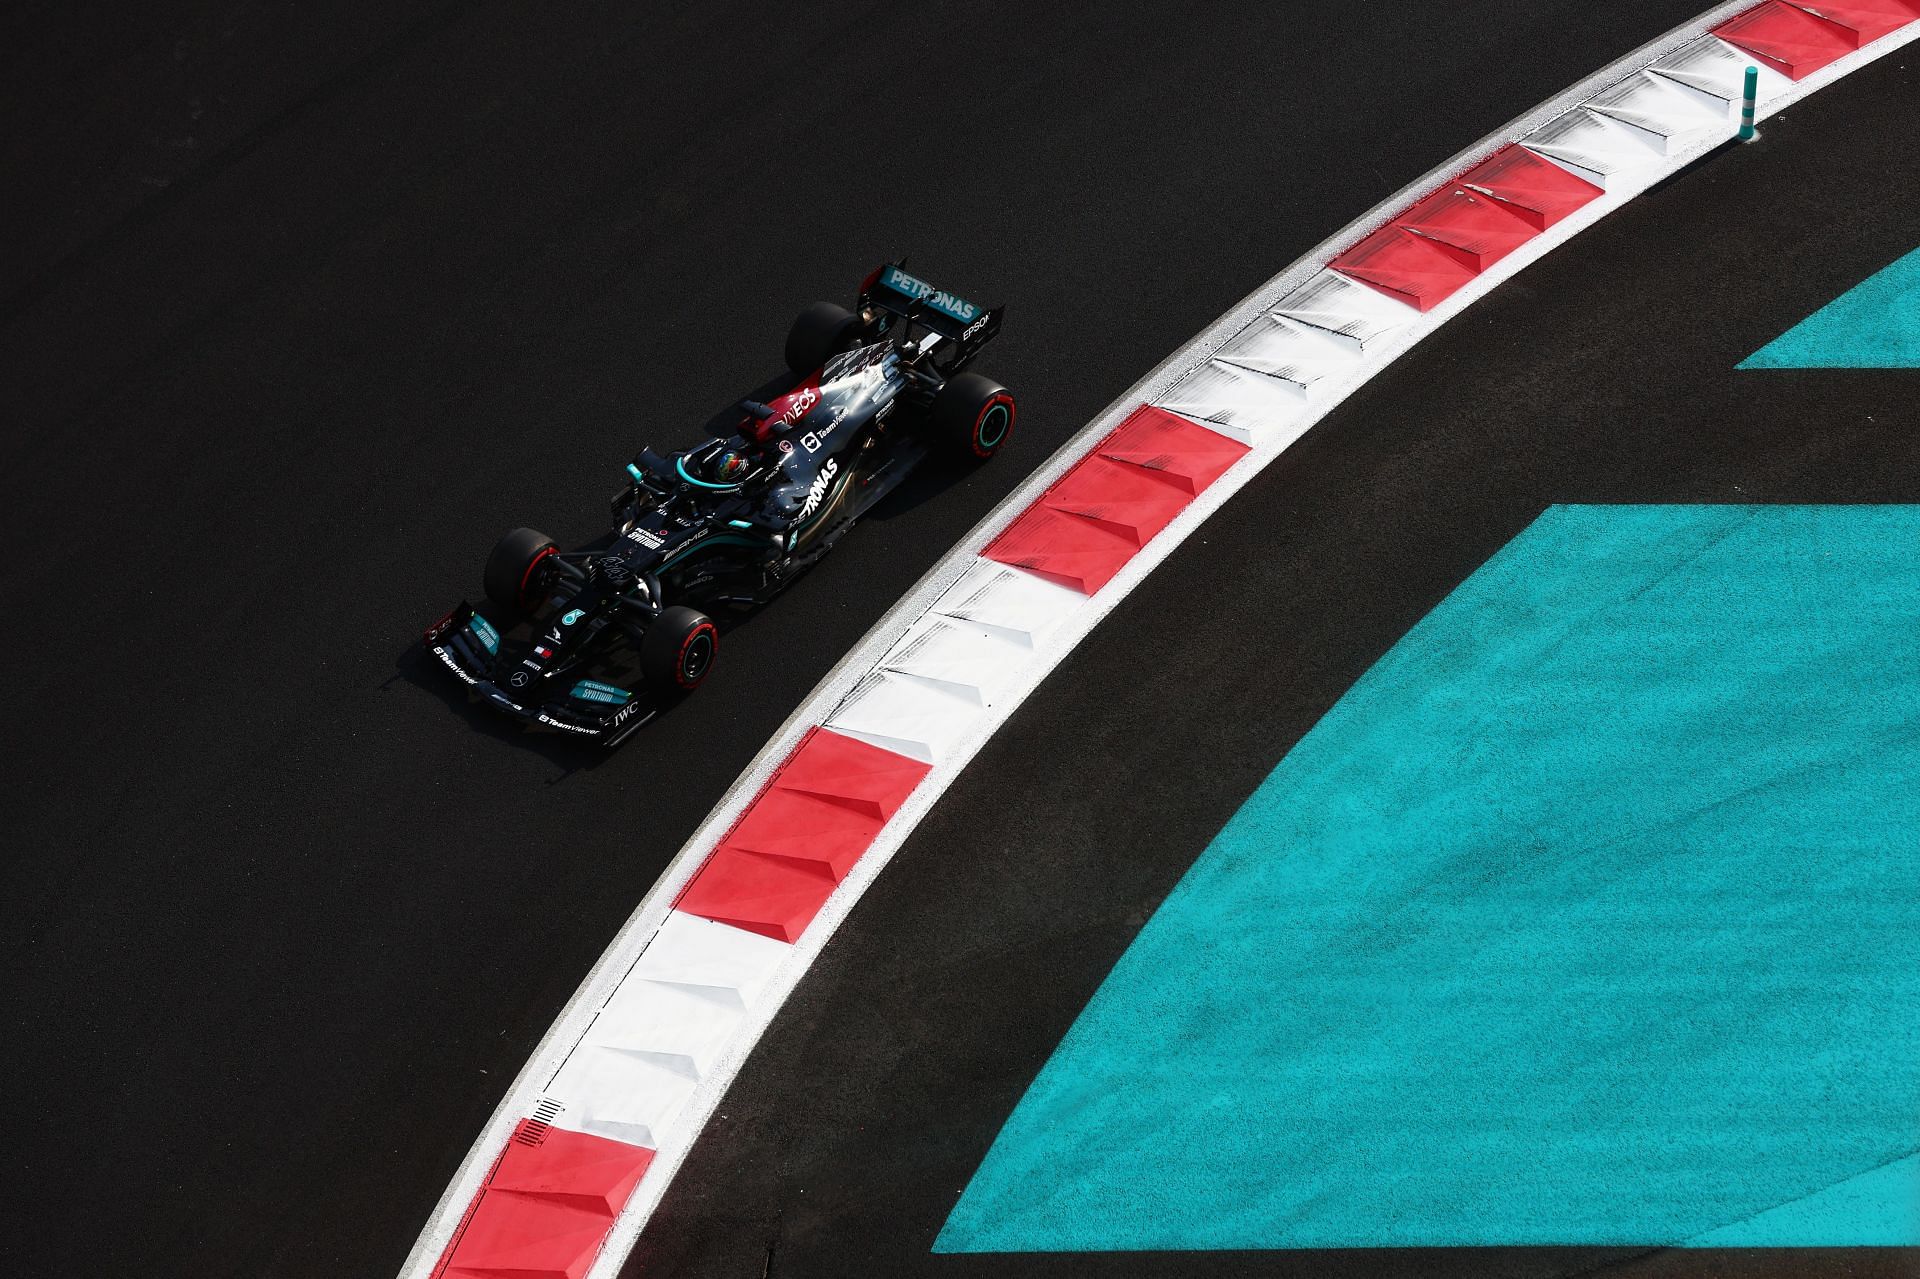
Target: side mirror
{"points": [[649, 463]]}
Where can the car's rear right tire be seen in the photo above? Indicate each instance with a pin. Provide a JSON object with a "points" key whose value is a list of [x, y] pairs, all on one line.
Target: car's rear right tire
{"points": [[513, 577], [678, 650], [822, 331], [973, 416]]}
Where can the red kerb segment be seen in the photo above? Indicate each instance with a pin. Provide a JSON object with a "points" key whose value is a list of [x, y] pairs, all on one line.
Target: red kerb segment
{"points": [[775, 869], [545, 1209], [1474, 229], [1533, 189], [1098, 515], [1171, 449], [1424, 256], [1405, 266], [1788, 38], [1871, 18]]}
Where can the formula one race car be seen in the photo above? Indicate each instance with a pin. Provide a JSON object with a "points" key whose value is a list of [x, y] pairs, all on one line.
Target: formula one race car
{"points": [[592, 642]]}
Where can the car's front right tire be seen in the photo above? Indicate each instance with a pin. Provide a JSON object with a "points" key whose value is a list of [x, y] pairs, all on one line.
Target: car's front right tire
{"points": [[513, 577]]}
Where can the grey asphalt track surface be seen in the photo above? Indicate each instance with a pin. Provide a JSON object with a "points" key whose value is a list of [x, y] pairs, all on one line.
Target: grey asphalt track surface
{"points": [[1603, 374], [302, 306]]}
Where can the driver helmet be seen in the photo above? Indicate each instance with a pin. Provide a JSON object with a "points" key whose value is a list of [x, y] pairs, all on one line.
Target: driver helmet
{"points": [[730, 466]]}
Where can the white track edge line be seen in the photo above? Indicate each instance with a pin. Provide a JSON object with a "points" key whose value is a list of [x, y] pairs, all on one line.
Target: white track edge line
{"points": [[624, 950]]}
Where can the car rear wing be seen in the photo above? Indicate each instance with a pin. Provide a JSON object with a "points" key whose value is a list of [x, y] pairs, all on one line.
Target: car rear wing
{"points": [[892, 290]]}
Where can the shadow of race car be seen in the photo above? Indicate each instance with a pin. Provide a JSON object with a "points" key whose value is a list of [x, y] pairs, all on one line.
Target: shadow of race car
{"points": [[593, 642]]}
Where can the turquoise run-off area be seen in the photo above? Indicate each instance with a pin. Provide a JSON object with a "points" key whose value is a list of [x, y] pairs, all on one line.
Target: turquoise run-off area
{"points": [[1874, 325], [1590, 915]]}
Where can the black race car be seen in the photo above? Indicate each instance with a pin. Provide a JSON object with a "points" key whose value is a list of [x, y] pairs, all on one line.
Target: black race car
{"points": [[592, 642]]}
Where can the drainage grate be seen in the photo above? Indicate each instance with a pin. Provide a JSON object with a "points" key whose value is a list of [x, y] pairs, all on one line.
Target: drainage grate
{"points": [[534, 1131]]}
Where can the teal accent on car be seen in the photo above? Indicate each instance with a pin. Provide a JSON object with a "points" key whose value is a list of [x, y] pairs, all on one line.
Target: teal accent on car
{"points": [[484, 632], [998, 416], [951, 305], [593, 691], [1589, 916], [680, 465]]}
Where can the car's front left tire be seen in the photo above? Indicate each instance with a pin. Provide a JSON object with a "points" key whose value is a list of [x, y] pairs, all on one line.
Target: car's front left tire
{"points": [[678, 650]]}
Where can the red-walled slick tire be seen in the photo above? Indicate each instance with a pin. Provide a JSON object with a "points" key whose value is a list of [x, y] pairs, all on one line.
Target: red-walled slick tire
{"points": [[513, 578], [678, 650], [973, 416]]}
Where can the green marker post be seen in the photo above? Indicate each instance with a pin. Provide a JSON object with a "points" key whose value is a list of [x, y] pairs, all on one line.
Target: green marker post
{"points": [[1752, 91]]}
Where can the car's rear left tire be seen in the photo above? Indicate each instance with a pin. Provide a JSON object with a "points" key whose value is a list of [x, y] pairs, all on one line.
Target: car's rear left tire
{"points": [[513, 576], [973, 416], [821, 332], [678, 650]]}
